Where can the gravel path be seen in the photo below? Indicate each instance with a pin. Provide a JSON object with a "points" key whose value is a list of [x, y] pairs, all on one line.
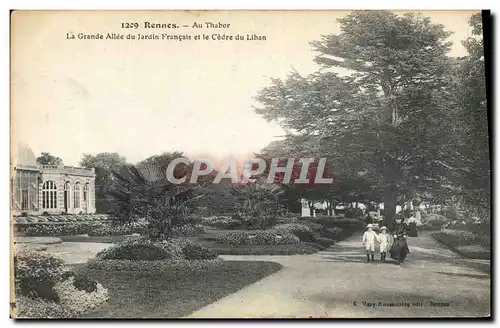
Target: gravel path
{"points": [[336, 282]]}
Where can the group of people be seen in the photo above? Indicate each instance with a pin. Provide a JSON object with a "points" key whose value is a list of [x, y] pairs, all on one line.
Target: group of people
{"points": [[399, 248]]}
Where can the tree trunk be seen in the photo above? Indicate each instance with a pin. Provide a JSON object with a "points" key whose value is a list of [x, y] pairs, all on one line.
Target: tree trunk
{"points": [[311, 209], [389, 207], [330, 208]]}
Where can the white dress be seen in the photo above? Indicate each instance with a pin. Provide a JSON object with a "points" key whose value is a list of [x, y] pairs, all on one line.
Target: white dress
{"points": [[383, 238]]}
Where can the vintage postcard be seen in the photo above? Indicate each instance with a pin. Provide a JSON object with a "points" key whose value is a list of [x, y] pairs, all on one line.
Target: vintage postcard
{"points": [[250, 164]]}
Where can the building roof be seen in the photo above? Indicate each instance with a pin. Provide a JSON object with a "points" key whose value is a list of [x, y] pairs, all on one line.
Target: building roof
{"points": [[24, 156]]}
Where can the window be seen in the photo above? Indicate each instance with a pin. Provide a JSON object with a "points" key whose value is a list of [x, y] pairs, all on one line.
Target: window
{"points": [[24, 200], [86, 192], [49, 195], [76, 196]]}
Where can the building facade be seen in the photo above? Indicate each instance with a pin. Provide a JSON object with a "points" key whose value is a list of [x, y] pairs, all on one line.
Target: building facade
{"points": [[50, 189]]}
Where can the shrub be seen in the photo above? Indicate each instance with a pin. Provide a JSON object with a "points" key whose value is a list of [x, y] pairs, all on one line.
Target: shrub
{"points": [[188, 230], [193, 251], [300, 230], [82, 282], [36, 274], [72, 302], [141, 249], [258, 237], [222, 222]]}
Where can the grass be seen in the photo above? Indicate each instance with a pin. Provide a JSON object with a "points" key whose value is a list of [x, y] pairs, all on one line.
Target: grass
{"points": [[209, 240], [161, 295], [463, 246]]}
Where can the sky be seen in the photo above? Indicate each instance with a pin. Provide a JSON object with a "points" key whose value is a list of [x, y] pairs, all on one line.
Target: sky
{"points": [[145, 97]]}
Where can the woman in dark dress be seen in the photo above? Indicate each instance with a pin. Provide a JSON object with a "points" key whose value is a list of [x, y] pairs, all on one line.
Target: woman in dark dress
{"points": [[412, 227], [399, 248]]}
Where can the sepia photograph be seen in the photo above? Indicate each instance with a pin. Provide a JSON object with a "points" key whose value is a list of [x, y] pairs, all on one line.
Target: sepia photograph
{"points": [[193, 164]]}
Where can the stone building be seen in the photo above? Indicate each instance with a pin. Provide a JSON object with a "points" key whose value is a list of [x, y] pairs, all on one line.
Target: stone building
{"points": [[49, 189]]}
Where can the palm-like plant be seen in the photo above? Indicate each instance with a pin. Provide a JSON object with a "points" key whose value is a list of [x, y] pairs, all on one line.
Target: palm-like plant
{"points": [[258, 200], [143, 191]]}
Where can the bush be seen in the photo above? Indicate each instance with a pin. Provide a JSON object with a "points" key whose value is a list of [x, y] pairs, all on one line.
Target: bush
{"points": [[188, 230], [143, 249], [222, 222], [258, 237], [300, 230], [79, 228], [36, 274], [72, 302], [193, 251], [82, 282]]}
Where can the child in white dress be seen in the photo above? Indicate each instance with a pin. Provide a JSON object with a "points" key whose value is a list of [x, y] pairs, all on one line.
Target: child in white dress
{"points": [[369, 238], [383, 239]]}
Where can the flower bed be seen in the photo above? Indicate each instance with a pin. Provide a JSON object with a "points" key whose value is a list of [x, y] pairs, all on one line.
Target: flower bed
{"points": [[303, 232], [258, 237], [221, 222], [465, 243], [144, 249], [45, 289]]}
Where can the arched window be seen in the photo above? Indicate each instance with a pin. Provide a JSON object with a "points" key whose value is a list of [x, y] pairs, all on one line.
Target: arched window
{"points": [[49, 195], [86, 192], [76, 195]]}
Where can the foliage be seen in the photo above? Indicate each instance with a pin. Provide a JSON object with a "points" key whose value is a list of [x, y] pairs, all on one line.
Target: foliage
{"points": [[466, 244], [141, 249], [145, 192], [222, 222], [72, 302], [36, 274], [303, 232], [258, 200], [385, 125], [473, 160], [194, 251], [79, 228], [145, 249], [48, 159], [188, 230], [104, 164], [258, 237]]}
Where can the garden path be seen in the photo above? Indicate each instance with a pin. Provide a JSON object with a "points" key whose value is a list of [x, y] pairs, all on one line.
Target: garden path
{"points": [[336, 282]]}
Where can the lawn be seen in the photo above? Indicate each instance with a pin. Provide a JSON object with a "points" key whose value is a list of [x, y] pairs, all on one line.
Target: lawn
{"points": [[209, 240], [463, 246], [160, 295]]}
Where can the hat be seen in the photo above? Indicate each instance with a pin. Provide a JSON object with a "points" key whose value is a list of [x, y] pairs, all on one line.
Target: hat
{"points": [[383, 228], [369, 226]]}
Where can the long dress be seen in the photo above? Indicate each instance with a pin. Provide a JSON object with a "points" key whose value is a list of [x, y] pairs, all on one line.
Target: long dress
{"points": [[412, 229], [399, 248]]}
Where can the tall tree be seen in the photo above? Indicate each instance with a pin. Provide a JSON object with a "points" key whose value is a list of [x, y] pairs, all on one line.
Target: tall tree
{"points": [[104, 164], [388, 118], [48, 159], [475, 176]]}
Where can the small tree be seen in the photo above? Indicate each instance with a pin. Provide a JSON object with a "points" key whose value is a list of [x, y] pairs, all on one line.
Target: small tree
{"points": [[258, 202], [143, 191], [48, 159]]}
